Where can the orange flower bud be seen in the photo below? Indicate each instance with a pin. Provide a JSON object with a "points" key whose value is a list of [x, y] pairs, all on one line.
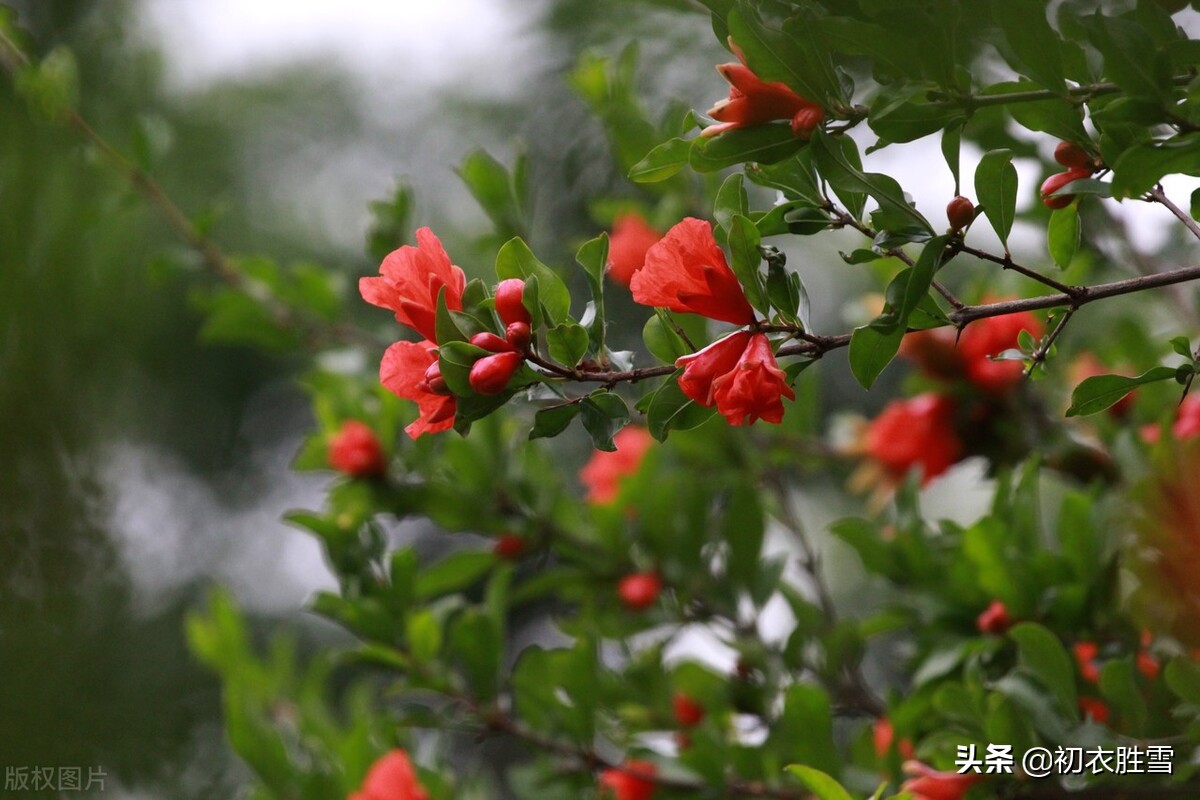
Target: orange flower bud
{"points": [[509, 304], [490, 374]]}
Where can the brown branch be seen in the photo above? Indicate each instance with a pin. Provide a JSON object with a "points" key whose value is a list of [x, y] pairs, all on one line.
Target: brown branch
{"points": [[1157, 195], [1006, 262], [1039, 355]]}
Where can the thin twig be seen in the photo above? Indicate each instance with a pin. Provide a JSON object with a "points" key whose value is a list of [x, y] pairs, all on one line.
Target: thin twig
{"points": [[1039, 355]]}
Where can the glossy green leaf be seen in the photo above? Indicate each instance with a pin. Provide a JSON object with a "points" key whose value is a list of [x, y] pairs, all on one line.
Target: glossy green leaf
{"points": [[568, 343], [1042, 654], [872, 348], [845, 176], [1143, 165], [516, 260], [663, 162], [746, 259], [996, 188], [764, 144], [1062, 235], [1036, 46], [604, 413], [552, 421], [821, 785], [670, 409], [1101, 391]]}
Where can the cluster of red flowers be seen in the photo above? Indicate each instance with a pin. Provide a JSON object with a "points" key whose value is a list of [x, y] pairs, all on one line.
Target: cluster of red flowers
{"points": [[686, 271], [920, 432], [356, 451], [411, 280], [391, 777]]}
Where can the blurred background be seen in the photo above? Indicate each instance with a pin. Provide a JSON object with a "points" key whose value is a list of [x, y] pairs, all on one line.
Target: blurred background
{"points": [[140, 465]]}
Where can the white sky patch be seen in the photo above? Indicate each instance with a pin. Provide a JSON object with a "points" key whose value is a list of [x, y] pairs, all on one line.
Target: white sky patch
{"points": [[477, 43]]}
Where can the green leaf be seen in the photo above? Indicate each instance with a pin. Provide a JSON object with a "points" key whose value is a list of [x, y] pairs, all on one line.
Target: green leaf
{"points": [[593, 257], [821, 785], [1183, 346], [1100, 391], [445, 326], [455, 360], [906, 117], [745, 261], [424, 635], [516, 260], [777, 56], [491, 186], [662, 341], [920, 277], [1062, 235], [1042, 654], [604, 413], [454, 573], [731, 201], [1037, 48], [951, 144], [552, 421], [764, 144], [1143, 165], [1131, 59], [568, 343], [51, 86], [1183, 678], [794, 177], [478, 646], [1120, 689], [872, 348], [996, 188], [833, 164], [670, 409], [662, 162]]}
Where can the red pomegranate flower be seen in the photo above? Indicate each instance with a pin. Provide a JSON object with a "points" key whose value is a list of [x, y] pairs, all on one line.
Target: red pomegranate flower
{"points": [[627, 245], [410, 280], [1093, 708], [687, 272], [928, 783], [633, 780], [754, 388], [991, 336], [391, 777], [915, 432], [604, 471], [356, 451], [408, 371], [1085, 657], [753, 101], [702, 368]]}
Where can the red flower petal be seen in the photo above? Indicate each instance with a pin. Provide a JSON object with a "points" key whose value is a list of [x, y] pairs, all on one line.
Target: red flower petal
{"points": [[631, 238], [687, 272], [410, 280], [701, 368], [915, 432], [402, 372], [754, 388]]}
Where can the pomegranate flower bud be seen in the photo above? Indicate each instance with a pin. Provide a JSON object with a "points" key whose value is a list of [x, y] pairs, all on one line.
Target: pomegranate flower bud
{"points": [[806, 121], [960, 212], [491, 342], [1072, 156], [518, 335], [927, 783], [509, 546], [433, 382], [1058, 181], [490, 374], [509, 304]]}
